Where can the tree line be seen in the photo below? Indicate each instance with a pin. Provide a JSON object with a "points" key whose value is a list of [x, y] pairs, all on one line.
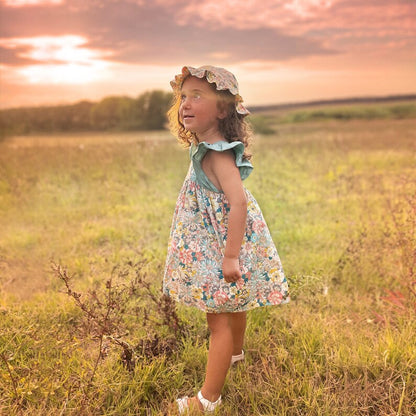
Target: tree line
{"points": [[120, 113]]}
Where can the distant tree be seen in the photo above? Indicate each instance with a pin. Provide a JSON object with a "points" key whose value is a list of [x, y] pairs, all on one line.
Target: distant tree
{"points": [[146, 112], [153, 106], [80, 115], [110, 112]]}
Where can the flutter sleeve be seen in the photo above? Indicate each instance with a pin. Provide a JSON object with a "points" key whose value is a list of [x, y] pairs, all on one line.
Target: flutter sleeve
{"points": [[197, 153]]}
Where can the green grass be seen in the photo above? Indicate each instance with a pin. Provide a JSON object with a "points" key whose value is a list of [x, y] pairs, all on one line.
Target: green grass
{"points": [[363, 112], [340, 201], [268, 121]]}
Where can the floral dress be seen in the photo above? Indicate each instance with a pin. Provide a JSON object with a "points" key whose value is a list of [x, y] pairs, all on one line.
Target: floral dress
{"points": [[193, 272]]}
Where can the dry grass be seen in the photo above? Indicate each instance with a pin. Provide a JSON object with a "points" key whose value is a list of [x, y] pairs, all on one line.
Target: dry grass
{"points": [[339, 198]]}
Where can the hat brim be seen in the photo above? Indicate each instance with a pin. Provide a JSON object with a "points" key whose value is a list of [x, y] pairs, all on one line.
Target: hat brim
{"points": [[221, 84]]}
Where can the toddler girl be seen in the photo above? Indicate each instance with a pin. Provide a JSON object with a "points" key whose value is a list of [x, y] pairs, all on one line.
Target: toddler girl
{"points": [[221, 258]]}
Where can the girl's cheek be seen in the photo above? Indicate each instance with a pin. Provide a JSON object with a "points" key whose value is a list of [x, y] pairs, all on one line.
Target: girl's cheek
{"points": [[181, 107]]}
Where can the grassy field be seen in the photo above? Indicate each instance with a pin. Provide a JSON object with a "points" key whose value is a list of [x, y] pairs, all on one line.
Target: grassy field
{"points": [[84, 223]]}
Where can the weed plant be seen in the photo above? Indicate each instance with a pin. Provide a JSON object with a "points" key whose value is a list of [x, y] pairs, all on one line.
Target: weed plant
{"points": [[92, 335]]}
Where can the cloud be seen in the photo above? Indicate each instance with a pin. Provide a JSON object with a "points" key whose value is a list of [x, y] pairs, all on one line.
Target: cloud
{"points": [[22, 3], [140, 32], [248, 14], [93, 43], [333, 24], [56, 59], [59, 49], [165, 31]]}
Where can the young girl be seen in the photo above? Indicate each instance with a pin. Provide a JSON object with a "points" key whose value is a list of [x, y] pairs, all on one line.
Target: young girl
{"points": [[221, 258]]}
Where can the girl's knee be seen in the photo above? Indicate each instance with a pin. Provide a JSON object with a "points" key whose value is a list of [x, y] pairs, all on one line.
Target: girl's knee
{"points": [[238, 317], [218, 322]]}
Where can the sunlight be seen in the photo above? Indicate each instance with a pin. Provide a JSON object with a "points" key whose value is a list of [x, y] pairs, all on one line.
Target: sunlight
{"points": [[62, 59], [68, 74], [67, 48], [305, 8]]}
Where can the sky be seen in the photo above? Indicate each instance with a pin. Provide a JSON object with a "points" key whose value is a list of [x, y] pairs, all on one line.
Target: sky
{"points": [[281, 51]]}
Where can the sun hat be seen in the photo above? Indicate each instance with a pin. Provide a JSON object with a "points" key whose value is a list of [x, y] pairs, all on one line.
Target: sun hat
{"points": [[223, 80]]}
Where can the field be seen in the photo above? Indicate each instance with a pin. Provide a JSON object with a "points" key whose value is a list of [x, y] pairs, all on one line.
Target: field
{"points": [[84, 223]]}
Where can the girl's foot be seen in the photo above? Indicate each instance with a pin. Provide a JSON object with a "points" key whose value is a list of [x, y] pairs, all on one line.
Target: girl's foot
{"points": [[189, 404], [236, 358], [200, 403]]}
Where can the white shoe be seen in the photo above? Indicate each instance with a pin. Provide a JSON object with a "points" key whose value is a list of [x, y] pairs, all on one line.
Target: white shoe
{"points": [[183, 403], [236, 358]]}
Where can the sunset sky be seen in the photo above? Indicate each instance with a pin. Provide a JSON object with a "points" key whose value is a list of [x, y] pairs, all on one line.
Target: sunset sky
{"points": [[62, 51]]}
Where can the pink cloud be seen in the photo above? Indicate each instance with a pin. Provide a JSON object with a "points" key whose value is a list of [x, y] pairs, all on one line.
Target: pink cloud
{"points": [[307, 8], [65, 48], [336, 23], [303, 14], [303, 48], [248, 14], [57, 59], [21, 3]]}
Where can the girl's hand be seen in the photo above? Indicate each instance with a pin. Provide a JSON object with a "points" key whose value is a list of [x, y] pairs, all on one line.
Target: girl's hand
{"points": [[231, 269]]}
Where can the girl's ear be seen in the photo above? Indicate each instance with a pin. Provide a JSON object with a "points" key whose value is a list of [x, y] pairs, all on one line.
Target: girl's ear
{"points": [[222, 110]]}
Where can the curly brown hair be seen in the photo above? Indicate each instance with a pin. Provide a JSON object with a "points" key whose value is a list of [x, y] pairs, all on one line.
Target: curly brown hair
{"points": [[234, 127]]}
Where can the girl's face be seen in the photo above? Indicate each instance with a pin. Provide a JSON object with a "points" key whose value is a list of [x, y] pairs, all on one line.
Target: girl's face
{"points": [[199, 111]]}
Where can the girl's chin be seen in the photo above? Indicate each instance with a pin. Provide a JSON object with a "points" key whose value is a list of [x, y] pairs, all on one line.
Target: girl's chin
{"points": [[189, 127]]}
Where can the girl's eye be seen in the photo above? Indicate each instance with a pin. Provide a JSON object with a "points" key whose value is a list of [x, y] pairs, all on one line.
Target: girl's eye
{"points": [[193, 97]]}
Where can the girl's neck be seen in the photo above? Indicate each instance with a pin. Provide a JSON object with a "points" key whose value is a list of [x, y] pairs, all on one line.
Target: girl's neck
{"points": [[211, 138]]}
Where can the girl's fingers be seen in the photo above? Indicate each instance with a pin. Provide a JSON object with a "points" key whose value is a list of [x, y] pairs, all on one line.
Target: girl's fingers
{"points": [[232, 278]]}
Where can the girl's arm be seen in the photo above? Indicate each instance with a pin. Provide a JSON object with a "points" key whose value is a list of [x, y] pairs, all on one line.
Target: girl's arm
{"points": [[223, 168]]}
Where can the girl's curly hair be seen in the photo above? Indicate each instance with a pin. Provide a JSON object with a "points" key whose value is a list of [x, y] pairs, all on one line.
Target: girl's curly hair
{"points": [[234, 127]]}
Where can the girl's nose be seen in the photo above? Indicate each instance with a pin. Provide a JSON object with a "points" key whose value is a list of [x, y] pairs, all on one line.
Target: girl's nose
{"points": [[185, 102]]}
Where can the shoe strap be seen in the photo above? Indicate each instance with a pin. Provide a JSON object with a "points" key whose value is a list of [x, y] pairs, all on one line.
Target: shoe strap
{"points": [[206, 404], [239, 357]]}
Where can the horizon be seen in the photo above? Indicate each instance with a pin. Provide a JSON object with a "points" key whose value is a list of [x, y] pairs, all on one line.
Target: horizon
{"points": [[329, 101], [299, 51]]}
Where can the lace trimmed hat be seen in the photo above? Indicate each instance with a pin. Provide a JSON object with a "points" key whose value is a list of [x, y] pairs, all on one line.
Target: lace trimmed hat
{"points": [[223, 80]]}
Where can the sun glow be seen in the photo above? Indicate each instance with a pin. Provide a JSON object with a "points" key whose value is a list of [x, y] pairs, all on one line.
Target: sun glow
{"points": [[58, 74], [60, 59], [306, 8]]}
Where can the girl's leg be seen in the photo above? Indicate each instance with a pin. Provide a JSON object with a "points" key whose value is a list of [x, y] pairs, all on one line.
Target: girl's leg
{"points": [[227, 338], [238, 322], [219, 354]]}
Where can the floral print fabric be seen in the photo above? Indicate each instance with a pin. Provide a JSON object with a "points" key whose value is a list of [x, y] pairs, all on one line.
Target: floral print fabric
{"points": [[193, 274]]}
